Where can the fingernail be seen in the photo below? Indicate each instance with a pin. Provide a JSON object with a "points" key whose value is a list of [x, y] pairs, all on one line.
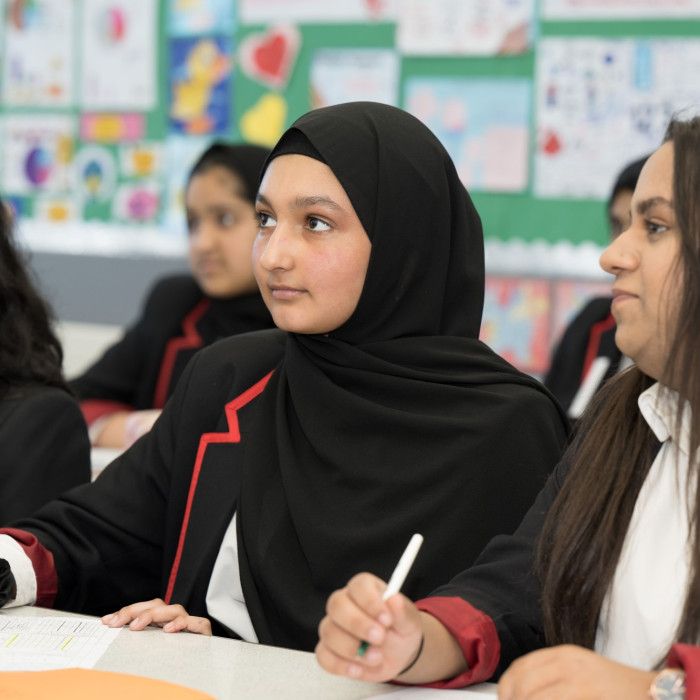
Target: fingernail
{"points": [[134, 622], [354, 671], [385, 619], [375, 635], [106, 619]]}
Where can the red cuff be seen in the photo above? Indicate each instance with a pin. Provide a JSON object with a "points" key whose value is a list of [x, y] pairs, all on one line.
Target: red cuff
{"points": [[687, 657], [42, 561], [475, 633], [96, 408]]}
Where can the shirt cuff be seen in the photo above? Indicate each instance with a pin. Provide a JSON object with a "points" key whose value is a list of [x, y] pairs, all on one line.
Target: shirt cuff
{"points": [[687, 657], [475, 633], [22, 570]]}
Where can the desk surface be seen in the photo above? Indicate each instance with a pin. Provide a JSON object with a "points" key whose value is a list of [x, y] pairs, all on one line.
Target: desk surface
{"points": [[224, 668]]}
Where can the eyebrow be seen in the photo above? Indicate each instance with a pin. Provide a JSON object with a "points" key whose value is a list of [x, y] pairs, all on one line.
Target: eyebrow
{"points": [[647, 204], [303, 202]]}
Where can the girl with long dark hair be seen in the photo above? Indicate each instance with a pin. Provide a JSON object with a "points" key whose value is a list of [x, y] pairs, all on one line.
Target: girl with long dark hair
{"points": [[599, 588]]}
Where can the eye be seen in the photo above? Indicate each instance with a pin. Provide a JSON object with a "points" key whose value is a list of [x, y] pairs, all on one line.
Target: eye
{"points": [[265, 220], [654, 228], [315, 224], [192, 224]]}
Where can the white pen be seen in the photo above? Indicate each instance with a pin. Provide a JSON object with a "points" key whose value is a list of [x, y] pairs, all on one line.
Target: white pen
{"points": [[399, 576]]}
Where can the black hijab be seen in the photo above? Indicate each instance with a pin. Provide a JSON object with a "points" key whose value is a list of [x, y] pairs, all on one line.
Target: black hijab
{"points": [[399, 421]]}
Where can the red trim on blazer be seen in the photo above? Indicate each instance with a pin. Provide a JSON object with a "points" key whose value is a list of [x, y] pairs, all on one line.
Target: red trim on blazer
{"points": [[475, 633], [597, 331], [190, 339], [233, 435], [93, 409], [42, 563]]}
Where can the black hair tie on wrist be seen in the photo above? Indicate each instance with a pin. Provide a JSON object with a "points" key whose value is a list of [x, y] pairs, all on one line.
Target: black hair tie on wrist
{"points": [[8, 587], [416, 657]]}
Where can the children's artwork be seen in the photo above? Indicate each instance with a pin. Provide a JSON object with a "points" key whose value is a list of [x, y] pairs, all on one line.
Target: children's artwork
{"points": [[190, 17], [112, 128], [317, 11], [37, 153], [515, 322], [619, 9], [141, 160], [269, 57], [95, 174], [482, 122], [569, 297], [137, 202], [200, 76], [603, 102], [119, 41], [56, 210], [459, 28], [264, 122], [348, 75], [38, 54], [181, 153]]}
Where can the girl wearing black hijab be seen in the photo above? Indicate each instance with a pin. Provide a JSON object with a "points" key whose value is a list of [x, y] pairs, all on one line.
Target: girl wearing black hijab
{"points": [[288, 458], [123, 393]]}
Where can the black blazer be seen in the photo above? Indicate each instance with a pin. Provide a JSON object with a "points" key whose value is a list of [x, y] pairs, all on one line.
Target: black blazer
{"points": [[44, 448]]}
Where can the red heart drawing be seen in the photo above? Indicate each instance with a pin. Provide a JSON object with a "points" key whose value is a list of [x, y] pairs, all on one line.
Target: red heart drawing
{"points": [[552, 144], [270, 57]]}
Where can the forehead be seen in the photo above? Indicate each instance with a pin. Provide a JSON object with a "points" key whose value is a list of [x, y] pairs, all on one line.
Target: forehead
{"points": [[656, 178], [293, 174]]}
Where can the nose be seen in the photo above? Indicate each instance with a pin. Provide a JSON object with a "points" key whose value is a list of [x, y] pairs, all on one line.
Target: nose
{"points": [[276, 251], [204, 238], [619, 255]]}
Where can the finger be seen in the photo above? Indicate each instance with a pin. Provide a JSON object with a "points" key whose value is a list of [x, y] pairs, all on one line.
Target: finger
{"points": [[347, 615], [130, 612], [335, 664], [158, 615], [404, 614], [345, 645], [366, 590], [189, 623]]}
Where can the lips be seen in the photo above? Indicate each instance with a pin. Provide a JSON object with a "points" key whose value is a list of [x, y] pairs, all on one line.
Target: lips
{"points": [[284, 293], [620, 295]]}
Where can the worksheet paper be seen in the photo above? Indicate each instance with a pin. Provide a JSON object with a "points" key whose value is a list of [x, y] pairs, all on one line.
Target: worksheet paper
{"points": [[48, 643], [476, 692]]}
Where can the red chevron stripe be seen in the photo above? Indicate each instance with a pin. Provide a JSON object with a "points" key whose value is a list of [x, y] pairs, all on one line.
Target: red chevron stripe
{"points": [[190, 339], [233, 435]]}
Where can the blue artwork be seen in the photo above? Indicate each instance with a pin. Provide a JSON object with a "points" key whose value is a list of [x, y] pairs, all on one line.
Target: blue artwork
{"points": [[197, 17]]}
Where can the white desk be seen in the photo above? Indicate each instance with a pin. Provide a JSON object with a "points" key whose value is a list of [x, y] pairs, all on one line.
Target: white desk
{"points": [[228, 669]]}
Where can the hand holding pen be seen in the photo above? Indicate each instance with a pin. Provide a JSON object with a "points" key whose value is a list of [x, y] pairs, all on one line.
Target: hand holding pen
{"points": [[369, 632]]}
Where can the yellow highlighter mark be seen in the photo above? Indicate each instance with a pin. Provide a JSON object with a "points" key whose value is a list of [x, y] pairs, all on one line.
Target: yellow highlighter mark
{"points": [[12, 639], [66, 643]]}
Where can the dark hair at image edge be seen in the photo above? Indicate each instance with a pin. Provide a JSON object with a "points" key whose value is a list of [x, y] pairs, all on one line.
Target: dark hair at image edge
{"points": [[29, 350], [243, 161], [613, 449]]}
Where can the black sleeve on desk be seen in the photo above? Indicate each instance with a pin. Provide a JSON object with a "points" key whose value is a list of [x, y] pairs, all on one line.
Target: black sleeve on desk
{"points": [[8, 586]]}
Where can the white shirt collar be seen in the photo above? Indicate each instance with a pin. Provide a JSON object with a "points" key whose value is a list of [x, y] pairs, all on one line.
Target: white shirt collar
{"points": [[658, 404]]}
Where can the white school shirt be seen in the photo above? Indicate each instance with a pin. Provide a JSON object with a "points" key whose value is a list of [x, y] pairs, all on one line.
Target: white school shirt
{"points": [[642, 610]]}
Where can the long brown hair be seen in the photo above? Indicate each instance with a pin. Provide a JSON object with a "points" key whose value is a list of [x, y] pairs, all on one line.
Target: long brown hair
{"points": [[585, 529]]}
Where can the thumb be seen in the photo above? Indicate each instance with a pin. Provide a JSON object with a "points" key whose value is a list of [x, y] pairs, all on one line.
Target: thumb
{"points": [[405, 615]]}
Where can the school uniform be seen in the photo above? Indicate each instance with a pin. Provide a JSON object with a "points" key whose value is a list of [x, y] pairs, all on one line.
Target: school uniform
{"points": [[329, 450], [494, 609], [141, 370], [589, 336], [44, 448]]}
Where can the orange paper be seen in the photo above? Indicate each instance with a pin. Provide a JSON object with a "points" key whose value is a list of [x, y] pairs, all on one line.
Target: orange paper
{"points": [[88, 684]]}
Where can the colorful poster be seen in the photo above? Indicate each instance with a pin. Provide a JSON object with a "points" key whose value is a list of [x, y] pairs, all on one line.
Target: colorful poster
{"points": [[37, 153], [568, 298], [317, 11], [349, 75], [142, 160], [619, 9], [601, 103], [190, 17], [137, 202], [112, 128], [264, 122], [270, 57], [516, 321], [482, 122], [119, 46], [459, 28], [38, 58], [180, 155], [95, 174], [200, 77]]}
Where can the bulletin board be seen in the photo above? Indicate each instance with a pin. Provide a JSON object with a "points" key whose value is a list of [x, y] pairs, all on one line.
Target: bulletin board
{"points": [[104, 104]]}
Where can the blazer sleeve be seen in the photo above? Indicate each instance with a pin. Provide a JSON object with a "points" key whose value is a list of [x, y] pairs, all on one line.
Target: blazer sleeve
{"points": [[687, 657], [45, 451], [493, 608]]}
